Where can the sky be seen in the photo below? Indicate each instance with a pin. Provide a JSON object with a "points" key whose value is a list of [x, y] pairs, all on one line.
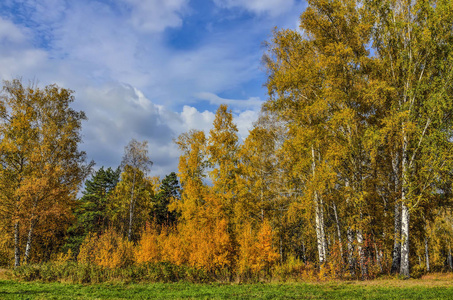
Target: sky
{"points": [[145, 69]]}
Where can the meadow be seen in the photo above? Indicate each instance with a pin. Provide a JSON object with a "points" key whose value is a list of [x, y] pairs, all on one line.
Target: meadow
{"points": [[437, 286]]}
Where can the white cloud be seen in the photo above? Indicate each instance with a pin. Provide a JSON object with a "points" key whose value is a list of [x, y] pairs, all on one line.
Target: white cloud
{"points": [[244, 122], [119, 112], [194, 119], [10, 33], [252, 102], [156, 15], [92, 46], [16, 52], [271, 7]]}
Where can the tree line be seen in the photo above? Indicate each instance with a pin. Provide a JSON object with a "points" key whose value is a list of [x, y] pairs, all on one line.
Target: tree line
{"points": [[347, 171]]}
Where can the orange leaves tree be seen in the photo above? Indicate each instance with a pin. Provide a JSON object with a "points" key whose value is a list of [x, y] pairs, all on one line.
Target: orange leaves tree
{"points": [[41, 166]]}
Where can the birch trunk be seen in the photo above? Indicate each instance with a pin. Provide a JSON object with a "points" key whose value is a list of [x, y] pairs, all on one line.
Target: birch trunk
{"points": [[363, 268], [351, 263], [16, 245], [131, 210], [396, 252], [404, 268], [378, 257], [29, 240], [319, 218], [426, 254], [320, 236], [338, 231]]}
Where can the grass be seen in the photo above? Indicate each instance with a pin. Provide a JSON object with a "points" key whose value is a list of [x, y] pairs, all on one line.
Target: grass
{"points": [[429, 287]]}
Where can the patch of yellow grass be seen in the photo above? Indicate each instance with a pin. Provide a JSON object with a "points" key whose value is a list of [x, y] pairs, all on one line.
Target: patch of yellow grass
{"points": [[3, 274], [429, 280]]}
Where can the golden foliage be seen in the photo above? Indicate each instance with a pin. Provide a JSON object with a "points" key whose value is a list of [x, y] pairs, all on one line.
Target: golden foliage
{"points": [[257, 252], [108, 250], [147, 249]]}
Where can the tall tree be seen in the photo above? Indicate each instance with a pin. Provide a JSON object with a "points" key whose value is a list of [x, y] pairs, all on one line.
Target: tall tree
{"points": [[41, 167], [316, 82], [135, 165], [92, 210], [414, 42], [222, 148], [192, 171]]}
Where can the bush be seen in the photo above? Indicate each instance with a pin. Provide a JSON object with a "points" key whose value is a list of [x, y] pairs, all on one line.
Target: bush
{"points": [[109, 250], [85, 273]]}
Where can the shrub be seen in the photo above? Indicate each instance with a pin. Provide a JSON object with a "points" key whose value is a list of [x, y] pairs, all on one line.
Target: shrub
{"points": [[110, 250]]}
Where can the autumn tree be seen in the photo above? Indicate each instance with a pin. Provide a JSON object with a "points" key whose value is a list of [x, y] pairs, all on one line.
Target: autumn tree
{"points": [[413, 41], [192, 171], [222, 149], [135, 165], [41, 166]]}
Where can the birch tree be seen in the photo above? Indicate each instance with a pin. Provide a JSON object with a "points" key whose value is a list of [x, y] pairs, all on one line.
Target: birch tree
{"points": [[41, 166], [135, 165], [413, 40]]}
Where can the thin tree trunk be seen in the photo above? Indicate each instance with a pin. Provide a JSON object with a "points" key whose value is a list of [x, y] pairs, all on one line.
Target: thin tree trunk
{"points": [[378, 256], [426, 254], [404, 268], [16, 245], [281, 250], [363, 268], [320, 236], [450, 262], [338, 231], [131, 210], [29, 239], [351, 262], [396, 252], [319, 218], [303, 252]]}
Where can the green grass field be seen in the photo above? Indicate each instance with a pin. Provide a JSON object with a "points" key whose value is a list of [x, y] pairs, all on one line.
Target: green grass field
{"points": [[377, 289]]}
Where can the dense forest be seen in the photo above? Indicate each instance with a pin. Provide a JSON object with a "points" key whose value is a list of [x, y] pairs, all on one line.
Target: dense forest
{"points": [[347, 173]]}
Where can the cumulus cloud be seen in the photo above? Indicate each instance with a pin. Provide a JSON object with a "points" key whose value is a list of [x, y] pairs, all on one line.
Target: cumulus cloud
{"points": [[119, 112], [156, 15], [130, 82]]}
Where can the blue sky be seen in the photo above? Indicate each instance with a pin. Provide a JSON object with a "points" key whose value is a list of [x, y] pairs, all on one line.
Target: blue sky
{"points": [[145, 69]]}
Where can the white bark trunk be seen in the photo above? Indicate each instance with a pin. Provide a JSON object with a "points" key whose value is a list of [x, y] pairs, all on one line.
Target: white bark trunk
{"points": [[320, 236], [319, 218], [29, 240], [404, 268], [16, 245], [396, 252], [351, 262], [378, 257], [426, 254], [363, 268], [338, 231]]}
